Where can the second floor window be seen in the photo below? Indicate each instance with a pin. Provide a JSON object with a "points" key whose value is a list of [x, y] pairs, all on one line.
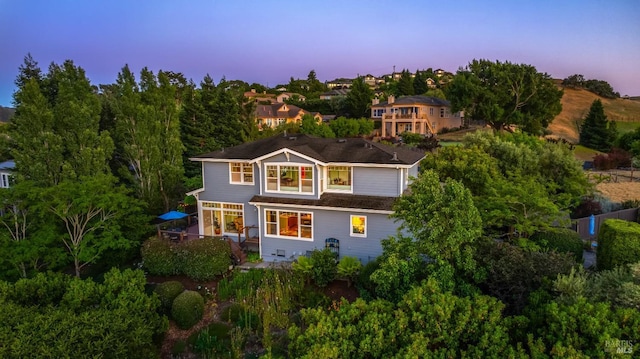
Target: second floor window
{"points": [[241, 173], [339, 178], [288, 178]]}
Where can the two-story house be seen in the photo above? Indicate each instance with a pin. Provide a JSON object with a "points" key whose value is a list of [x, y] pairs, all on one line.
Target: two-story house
{"points": [[295, 193], [418, 114]]}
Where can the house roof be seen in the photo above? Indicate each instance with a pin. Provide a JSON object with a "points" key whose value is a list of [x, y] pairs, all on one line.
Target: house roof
{"points": [[336, 200], [327, 150], [278, 110], [418, 99], [7, 165], [339, 92]]}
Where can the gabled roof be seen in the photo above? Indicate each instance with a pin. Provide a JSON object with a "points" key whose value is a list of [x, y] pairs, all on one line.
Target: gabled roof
{"points": [[339, 92], [325, 150], [278, 110], [7, 165], [416, 100]]}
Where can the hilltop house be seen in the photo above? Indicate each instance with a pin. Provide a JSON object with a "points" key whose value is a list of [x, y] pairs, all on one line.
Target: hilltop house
{"points": [[278, 113], [418, 114], [290, 194]]}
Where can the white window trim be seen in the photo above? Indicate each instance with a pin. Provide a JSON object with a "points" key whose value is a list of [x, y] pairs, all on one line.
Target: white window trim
{"points": [[278, 211], [242, 181], [326, 180], [366, 222], [223, 226], [289, 164], [4, 180]]}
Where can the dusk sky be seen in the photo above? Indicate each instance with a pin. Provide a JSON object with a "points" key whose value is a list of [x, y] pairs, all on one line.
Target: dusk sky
{"points": [[270, 41]]}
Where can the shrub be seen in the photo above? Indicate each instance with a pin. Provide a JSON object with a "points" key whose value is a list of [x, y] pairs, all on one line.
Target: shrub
{"points": [[158, 257], [349, 268], [303, 266], [203, 259], [560, 240], [618, 243], [512, 273], [167, 292], [187, 309], [366, 287], [43, 289], [241, 285], [240, 316], [324, 266]]}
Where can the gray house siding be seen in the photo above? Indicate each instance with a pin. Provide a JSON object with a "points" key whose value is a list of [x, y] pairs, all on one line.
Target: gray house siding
{"points": [[217, 186], [330, 224], [376, 181], [413, 171]]}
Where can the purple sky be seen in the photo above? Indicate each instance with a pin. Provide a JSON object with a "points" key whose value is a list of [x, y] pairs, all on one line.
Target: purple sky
{"points": [[270, 41]]}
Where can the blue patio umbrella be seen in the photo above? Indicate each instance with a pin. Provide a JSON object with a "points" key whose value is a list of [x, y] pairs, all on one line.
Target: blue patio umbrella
{"points": [[172, 215], [592, 225]]}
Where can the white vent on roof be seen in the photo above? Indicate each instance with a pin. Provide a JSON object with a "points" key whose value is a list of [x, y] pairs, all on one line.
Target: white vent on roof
{"points": [[342, 140], [395, 157]]}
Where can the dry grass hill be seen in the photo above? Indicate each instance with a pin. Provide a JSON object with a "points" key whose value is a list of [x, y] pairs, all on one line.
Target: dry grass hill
{"points": [[576, 104]]}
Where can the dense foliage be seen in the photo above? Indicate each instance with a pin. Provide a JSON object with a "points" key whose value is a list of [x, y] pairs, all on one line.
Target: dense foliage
{"points": [[427, 322], [54, 315], [599, 87], [561, 240], [520, 184], [618, 243], [167, 292], [505, 94], [200, 260], [187, 309], [513, 273]]}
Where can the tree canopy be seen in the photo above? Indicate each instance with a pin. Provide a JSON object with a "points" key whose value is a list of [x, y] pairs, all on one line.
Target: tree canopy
{"points": [[505, 94]]}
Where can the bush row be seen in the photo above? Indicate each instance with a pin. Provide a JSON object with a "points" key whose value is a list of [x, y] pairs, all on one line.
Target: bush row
{"points": [[201, 259], [561, 240]]}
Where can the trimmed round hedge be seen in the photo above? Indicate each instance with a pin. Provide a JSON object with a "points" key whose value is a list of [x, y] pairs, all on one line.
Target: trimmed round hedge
{"points": [[561, 240], [167, 292], [187, 309]]}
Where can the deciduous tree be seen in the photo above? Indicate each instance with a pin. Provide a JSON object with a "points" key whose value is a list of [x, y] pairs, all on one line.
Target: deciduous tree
{"points": [[505, 94]]}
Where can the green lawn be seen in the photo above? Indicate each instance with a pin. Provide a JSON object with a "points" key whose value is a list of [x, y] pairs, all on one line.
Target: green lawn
{"points": [[583, 153], [450, 143], [624, 127]]}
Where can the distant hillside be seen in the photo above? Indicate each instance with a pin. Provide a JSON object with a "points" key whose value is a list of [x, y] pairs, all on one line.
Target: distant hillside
{"points": [[6, 113], [576, 104]]}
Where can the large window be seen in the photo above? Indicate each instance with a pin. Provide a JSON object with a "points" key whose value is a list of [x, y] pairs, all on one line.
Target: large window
{"points": [[339, 178], [287, 178], [241, 173], [219, 218], [358, 226], [296, 225]]}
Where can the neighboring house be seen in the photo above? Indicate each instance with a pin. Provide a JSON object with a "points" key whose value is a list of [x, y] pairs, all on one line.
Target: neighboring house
{"points": [[341, 83], [334, 94], [278, 113], [260, 97], [6, 171], [291, 194], [418, 114], [287, 95]]}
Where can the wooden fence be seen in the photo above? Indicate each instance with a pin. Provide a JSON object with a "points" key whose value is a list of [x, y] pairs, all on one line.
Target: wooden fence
{"points": [[581, 225]]}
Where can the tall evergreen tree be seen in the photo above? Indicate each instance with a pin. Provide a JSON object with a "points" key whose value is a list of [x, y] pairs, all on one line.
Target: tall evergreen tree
{"points": [[56, 130], [420, 83], [405, 84], [596, 132], [358, 100]]}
